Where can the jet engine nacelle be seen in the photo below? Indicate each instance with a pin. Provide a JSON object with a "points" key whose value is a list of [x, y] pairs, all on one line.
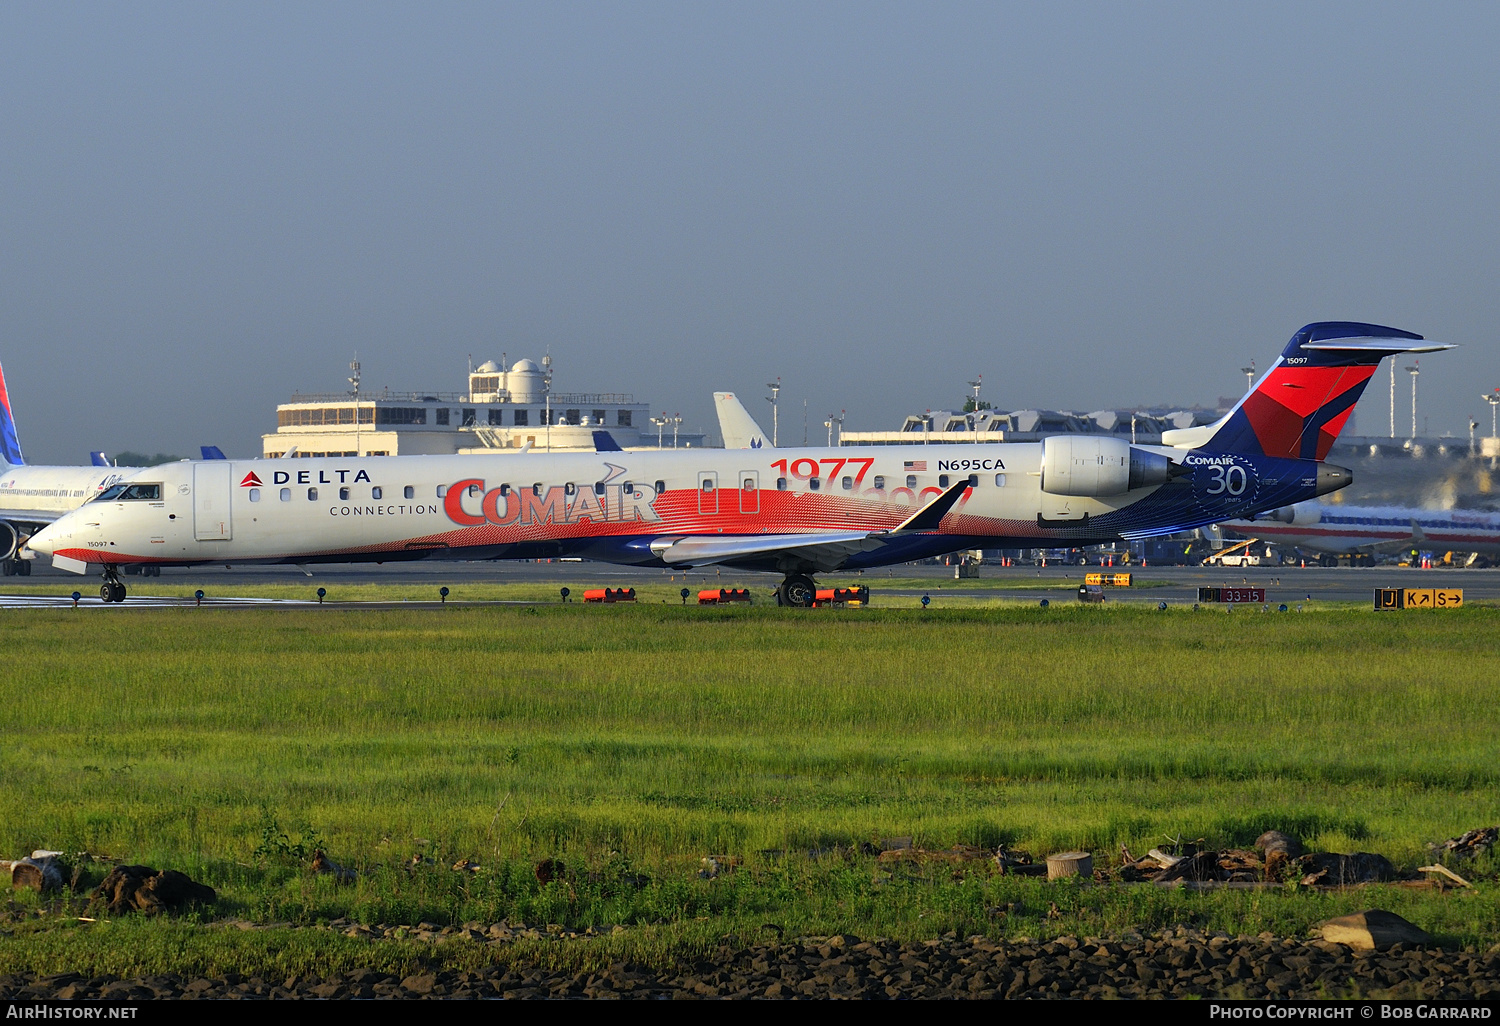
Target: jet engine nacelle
{"points": [[1084, 465], [10, 540], [1302, 514]]}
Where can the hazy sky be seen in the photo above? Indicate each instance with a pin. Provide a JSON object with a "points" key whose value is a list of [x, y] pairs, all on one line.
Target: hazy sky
{"points": [[206, 207]]}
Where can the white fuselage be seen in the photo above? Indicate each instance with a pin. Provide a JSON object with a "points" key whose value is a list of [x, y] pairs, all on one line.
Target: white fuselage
{"points": [[476, 507], [1338, 529]]}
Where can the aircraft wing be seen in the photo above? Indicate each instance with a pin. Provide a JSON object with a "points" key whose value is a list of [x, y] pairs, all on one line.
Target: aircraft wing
{"points": [[826, 550], [31, 516]]}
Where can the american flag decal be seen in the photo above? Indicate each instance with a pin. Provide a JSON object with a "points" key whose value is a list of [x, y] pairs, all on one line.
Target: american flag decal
{"points": [[914, 465]]}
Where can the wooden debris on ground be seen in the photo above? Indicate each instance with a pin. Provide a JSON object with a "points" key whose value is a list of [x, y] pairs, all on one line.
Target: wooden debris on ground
{"points": [[1469, 845], [141, 888], [42, 870]]}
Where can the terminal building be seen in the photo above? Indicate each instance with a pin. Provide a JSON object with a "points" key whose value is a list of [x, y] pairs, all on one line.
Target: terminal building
{"points": [[500, 411]]}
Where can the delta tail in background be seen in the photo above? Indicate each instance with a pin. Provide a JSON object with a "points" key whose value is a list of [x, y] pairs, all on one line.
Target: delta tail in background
{"points": [[32, 497], [794, 512]]}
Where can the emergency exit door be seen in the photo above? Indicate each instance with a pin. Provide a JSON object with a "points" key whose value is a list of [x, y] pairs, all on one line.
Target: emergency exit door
{"points": [[213, 488]]}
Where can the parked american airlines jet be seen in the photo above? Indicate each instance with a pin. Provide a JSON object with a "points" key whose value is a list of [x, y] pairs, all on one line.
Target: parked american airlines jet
{"points": [[32, 497], [788, 511], [1356, 530]]}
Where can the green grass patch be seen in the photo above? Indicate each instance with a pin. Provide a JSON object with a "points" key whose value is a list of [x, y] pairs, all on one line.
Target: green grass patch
{"points": [[631, 741]]}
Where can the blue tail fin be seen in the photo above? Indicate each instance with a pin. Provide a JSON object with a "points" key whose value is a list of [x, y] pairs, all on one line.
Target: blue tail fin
{"points": [[10, 445], [1297, 410], [212, 452], [98, 459], [605, 442]]}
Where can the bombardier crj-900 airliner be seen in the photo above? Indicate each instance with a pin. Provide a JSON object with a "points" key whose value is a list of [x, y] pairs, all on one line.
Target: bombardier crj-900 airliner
{"points": [[789, 511]]}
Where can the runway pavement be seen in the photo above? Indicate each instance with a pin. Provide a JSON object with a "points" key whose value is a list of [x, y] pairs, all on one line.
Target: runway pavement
{"points": [[899, 585]]}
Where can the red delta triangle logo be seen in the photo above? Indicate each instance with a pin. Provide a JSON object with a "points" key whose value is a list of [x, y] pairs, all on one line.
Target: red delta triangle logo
{"points": [[250, 481]]}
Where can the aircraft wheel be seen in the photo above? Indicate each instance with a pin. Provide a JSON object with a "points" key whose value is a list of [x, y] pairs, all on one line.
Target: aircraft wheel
{"points": [[106, 592], [797, 591], [7, 568], [119, 592], [23, 567]]}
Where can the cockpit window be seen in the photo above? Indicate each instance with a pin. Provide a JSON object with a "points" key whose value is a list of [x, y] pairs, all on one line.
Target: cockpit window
{"points": [[129, 492]]}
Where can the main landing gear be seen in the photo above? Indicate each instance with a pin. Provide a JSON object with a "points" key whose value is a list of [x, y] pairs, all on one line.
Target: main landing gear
{"points": [[797, 590], [111, 590]]}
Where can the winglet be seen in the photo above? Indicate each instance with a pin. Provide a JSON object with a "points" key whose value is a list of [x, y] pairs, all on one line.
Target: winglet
{"points": [[931, 515], [212, 452], [605, 442]]}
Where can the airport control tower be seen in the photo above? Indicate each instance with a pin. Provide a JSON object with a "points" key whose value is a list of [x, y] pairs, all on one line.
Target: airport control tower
{"points": [[502, 410]]}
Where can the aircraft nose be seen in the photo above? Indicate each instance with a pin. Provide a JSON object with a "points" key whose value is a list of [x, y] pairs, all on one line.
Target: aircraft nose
{"points": [[44, 541]]}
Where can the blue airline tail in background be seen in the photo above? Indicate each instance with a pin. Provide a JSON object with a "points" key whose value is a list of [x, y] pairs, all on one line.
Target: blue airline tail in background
{"points": [[10, 445]]}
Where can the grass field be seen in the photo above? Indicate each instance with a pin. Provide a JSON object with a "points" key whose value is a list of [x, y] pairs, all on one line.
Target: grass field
{"points": [[631, 742]]}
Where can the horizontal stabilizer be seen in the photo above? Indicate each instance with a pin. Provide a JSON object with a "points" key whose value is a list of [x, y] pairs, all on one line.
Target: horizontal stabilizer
{"points": [[1381, 345], [605, 442]]}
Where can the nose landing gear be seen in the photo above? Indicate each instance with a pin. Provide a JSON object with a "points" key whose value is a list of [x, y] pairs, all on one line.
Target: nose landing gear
{"points": [[797, 590], [111, 590]]}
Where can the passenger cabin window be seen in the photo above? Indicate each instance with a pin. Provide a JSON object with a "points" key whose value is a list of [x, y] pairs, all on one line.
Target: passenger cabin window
{"points": [[999, 480], [570, 488], [942, 480], [442, 490], [409, 492], [749, 484], [973, 480], [598, 487], [848, 483], [814, 483], [343, 495], [911, 480], [781, 484], [377, 492], [255, 495], [536, 489], [879, 483], [660, 488], [473, 491], [286, 495], [505, 489], [708, 486], [312, 494]]}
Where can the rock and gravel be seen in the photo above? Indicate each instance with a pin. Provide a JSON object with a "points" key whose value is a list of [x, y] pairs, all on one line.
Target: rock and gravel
{"points": [[1174, 964]]}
